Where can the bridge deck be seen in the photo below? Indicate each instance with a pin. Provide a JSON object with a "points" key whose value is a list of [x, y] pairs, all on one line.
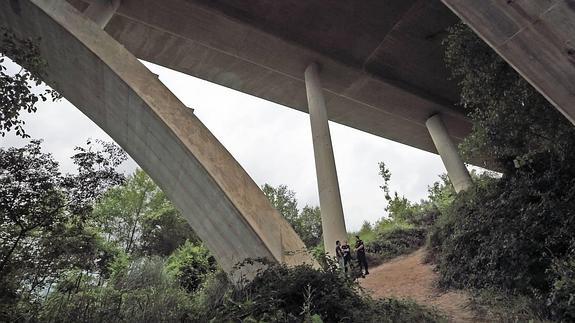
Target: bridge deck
{"points": [[382, 61]]}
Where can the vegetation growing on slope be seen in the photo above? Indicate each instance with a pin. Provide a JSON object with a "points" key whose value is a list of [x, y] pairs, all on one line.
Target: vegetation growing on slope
{"points": [[302, 294], [405, 228], [513, 234]]}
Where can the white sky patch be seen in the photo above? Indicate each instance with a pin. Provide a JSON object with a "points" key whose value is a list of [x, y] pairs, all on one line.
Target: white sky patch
{"points": [[272, 142]]}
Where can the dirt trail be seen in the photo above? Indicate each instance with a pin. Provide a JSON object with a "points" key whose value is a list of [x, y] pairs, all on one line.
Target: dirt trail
{"points": [[409, 277]]}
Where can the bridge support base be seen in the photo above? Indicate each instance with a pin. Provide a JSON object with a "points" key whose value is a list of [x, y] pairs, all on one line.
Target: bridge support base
{"points": [[456, 169], [333, 222]]}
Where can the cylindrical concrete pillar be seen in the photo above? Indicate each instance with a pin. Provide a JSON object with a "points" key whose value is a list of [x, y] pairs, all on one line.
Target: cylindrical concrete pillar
{"points": [[101, 11], [332, 220], [456, 169]]}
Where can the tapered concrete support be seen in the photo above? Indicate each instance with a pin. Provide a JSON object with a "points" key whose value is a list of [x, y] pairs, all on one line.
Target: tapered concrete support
{"points": [[102, 11], [333, 222], [456, 169]]}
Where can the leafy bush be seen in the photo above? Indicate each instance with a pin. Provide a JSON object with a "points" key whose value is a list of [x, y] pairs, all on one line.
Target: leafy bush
{"points": [[396, 241], [510, 234], [143, 293], [299, 294], [561, 299], [191, 264]]}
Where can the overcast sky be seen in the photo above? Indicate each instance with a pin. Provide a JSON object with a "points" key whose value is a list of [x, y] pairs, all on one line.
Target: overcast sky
{"points": [[272, 142]]}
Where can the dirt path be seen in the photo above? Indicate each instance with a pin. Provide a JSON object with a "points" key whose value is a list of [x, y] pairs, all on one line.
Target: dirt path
{"points": [[409, 277]]}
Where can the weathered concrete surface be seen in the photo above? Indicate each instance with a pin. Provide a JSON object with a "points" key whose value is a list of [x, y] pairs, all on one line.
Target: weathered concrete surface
{"points": [[382, 61], [537, 37], [224, 206], [332, 220], [456, 170], [101, 11]]}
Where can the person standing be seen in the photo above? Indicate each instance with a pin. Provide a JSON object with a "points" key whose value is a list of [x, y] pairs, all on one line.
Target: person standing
{"points": [[346, 255], [339, 254], [360, 252]]}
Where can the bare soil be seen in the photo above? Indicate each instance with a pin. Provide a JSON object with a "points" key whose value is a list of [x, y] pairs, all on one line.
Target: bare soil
{"points": [[409, 277]]}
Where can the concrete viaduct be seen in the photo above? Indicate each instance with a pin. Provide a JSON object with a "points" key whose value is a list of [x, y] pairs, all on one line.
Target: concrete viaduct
{"points": [[374, 65]]}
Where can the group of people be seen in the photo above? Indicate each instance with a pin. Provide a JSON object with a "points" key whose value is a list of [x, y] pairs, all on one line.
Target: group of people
{"points": [[344, 258]]}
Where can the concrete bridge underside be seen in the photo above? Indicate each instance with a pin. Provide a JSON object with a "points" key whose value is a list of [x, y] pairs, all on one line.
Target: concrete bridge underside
{"points": [[106, 82], [381, 62]]}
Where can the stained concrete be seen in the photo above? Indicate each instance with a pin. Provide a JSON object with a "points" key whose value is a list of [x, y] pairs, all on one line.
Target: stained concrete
{"points": [[106, 82], [536, 37]]}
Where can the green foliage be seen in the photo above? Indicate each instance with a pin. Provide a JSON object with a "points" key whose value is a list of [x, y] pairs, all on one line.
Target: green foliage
{"points": [[43, 231], [143, 293], [397, 240], [304, 294], [164, 229], [501, 306], [511, 234], [309, 226], [307, 223], [30, 199], [505, 234], [513, 123], [191, 264], [561, 299], [405, 229], [16, 88], [139, 218]]}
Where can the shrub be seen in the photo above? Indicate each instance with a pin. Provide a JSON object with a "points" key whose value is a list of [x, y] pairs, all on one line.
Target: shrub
{"points": [[301, 293], [397, 240], [561, 299], [512, 234], [143, 293], [191, 264]]}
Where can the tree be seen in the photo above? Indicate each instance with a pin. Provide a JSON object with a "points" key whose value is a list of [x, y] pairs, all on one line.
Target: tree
{"points": [[16, 92], [283, 200], [164, 229], [121, 211], [30, 198], [509, 233], [398, 208], [512, 123], [41, 235], [139, 218], [310, 227], [307, 223]]}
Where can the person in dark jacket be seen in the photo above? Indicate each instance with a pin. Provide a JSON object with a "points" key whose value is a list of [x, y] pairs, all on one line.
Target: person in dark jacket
{"points": [[346, 255], [360, 252], [339, 254]]}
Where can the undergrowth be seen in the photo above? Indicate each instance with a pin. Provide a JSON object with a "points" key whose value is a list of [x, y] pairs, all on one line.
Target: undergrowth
{"points": [[301, 294]]}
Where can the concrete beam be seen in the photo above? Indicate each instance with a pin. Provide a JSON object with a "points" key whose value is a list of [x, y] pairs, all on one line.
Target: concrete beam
{"points": [[102, 11], [536, 37], [333, 222], [456, 169], [100, 77]]}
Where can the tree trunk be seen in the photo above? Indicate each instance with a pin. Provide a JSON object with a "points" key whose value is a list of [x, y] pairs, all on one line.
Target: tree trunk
{"points": [[9, 254]]}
